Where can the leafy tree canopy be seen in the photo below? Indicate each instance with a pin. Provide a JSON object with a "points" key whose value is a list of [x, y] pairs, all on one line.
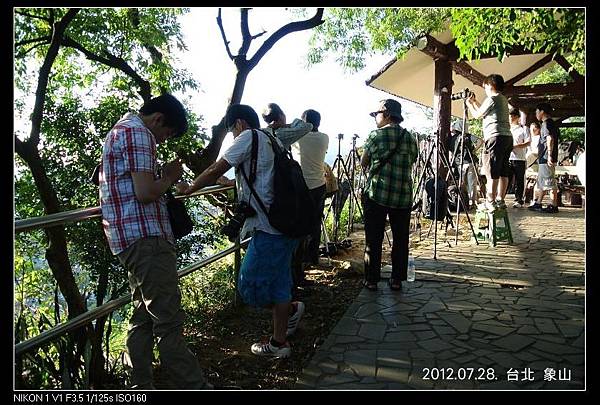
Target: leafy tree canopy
{"points": [[141, 40], [353, 34]]}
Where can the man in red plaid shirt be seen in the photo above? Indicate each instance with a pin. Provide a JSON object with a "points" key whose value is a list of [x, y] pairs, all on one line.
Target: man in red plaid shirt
{"points": [[136, 224]]}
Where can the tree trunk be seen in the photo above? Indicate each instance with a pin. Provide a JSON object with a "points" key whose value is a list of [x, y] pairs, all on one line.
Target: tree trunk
{"points": [[200, 161], [56, 253]]}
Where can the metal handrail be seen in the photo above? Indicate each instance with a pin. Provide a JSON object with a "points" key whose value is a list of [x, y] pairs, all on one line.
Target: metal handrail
{"points": [[106, 308], [79, 214]]}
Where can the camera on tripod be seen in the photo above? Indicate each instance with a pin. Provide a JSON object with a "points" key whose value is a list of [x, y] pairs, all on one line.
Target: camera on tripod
{"points": [[241, 211], [462, 95]]}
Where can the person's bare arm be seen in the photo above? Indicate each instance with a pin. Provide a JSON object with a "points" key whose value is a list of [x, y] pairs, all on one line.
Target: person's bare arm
{"points": [[473, 106], [522, 145], [147, 189], [291, 133], [549, 145], [207, 178]]}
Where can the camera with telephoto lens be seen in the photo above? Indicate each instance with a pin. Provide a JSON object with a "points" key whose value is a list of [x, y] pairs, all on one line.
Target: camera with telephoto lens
{"points": [[463, 95], [241, 211]]}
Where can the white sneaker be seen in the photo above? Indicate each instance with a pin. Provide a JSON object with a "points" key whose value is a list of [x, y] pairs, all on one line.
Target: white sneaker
{"points": [[517, 204], [294, 319], [267, 349], [487, 206], [500, 204]]}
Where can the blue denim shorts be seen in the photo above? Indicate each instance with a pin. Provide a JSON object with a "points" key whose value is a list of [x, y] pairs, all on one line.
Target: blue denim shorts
{"points": [[265, 276]]}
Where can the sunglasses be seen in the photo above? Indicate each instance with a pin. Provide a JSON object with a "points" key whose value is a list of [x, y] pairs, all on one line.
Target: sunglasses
{"points": [[374, 114]]}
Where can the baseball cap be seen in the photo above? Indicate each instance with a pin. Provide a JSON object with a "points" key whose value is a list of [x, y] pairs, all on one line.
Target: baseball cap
{"points": [[392, 107]]}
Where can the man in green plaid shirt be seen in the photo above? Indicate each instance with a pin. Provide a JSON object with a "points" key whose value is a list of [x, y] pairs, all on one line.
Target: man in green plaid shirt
{"points": [[389, 153]]}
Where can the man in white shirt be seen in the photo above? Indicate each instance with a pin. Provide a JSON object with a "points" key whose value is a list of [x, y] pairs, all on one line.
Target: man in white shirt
{"points": [[265, 275], [517, 159], [532, 149], [310, 151]]}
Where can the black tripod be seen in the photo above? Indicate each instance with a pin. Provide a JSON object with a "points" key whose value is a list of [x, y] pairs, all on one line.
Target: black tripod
{"points": [[427, 167], [461, 145], [345, 168], [353, 162], [349, 183]]}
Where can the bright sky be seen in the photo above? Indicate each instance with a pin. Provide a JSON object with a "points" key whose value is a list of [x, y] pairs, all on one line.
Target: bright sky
{"points": [[343, 99]]}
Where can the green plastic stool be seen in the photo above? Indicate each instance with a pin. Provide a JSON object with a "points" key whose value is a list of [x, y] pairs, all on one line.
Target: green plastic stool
{"points": [[481, 230], [493, 231]]}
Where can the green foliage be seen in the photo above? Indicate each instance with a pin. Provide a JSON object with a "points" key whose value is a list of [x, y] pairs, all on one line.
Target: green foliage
{"points": [[484, 30], [573, 134], [353, 34], [126, 33]]}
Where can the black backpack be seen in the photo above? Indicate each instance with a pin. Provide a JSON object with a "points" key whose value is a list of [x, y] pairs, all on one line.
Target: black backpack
{"points": [[292, 204], [442, 199]]}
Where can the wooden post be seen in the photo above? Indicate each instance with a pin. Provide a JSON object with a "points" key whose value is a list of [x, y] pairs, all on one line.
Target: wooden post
{"points": [[441, 104]]}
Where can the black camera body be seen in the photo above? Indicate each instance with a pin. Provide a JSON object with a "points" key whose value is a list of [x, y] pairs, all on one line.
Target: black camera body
{"points": [[241, 211], [462, 95]]}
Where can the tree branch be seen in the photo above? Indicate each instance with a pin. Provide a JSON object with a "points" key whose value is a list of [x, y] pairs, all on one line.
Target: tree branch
{"points": [[46, 39], [39, 17], [314, 21], [115, 62], [19, 146], [58, 30], [258, 35], [22, 54], [155, 54], [246, 37], [220, 24]]}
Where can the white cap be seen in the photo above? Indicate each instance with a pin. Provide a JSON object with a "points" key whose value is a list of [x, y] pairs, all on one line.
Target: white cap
{"points": [[457, 126]]}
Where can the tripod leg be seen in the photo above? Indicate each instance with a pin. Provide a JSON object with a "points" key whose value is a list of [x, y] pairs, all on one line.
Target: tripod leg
{"points": [[325, 238], [352, 191], [429, 231], [388, 237], [462, 202]]}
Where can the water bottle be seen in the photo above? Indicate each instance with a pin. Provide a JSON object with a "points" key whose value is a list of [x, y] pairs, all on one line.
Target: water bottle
{"points": [[411, 269]]}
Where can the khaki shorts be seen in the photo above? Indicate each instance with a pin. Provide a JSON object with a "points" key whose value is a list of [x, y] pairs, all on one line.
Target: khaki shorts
{"points": [[545, 178]]}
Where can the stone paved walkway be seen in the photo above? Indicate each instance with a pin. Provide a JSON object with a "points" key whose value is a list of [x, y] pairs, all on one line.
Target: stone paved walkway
{"points": [[509, 317]]}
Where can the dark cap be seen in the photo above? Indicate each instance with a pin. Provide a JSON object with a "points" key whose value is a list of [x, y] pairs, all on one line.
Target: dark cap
{"points": [[392, 107]]}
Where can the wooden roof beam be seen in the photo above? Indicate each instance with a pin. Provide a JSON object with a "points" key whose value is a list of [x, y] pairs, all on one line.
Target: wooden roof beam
{"points": [[542, 62], [437, 50], [574, 89], [467, 71], [564, 63]]}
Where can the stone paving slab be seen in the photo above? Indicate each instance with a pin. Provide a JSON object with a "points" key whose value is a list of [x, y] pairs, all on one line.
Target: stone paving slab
{"points": [[477, 318]]}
